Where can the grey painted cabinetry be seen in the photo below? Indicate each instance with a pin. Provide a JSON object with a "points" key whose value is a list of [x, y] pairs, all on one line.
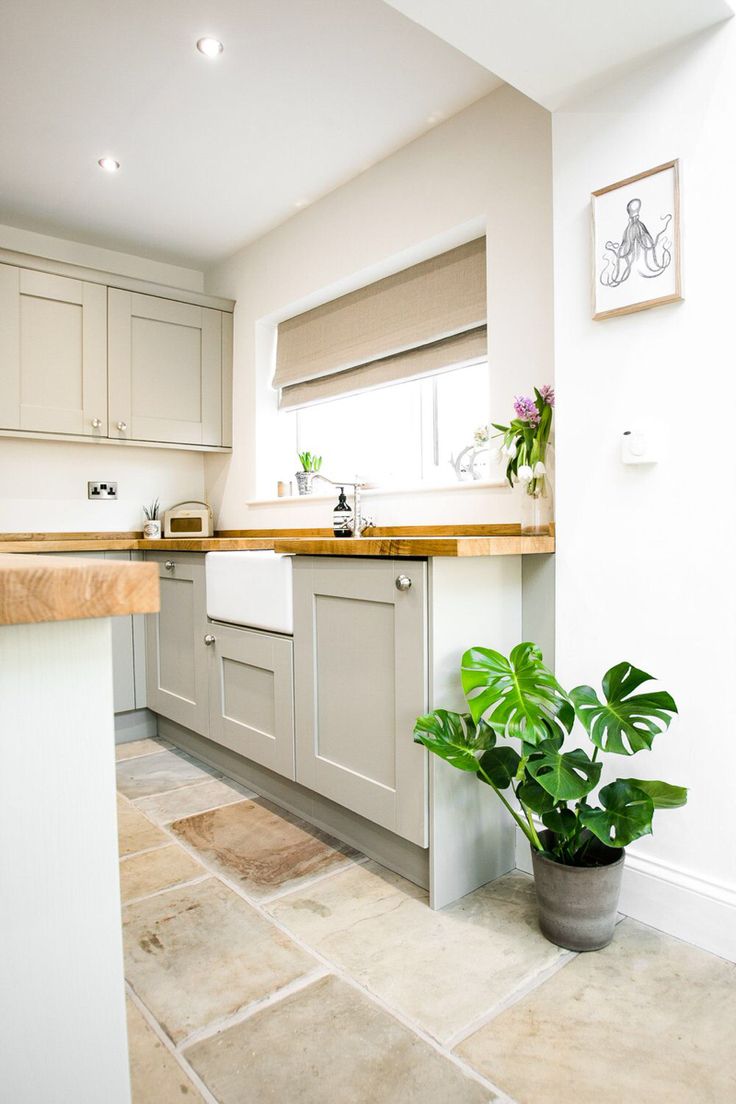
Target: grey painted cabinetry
{"points": [[82, 359], [176, 658], [360, 667], [230, 684]]}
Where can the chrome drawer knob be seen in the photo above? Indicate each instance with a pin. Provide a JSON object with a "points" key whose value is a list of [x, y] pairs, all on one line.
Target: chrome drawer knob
{"points": [[403, 582], [122, 426], [169, 565], [96, 423], [209, 639]]}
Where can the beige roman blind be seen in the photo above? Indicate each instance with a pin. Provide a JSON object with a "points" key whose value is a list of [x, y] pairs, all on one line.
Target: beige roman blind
{"points": [[425, 319]]}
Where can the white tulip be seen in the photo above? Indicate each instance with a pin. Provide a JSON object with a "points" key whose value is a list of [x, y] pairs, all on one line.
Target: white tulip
{"points": [[539, 469], [509, 451], [524, 473]]}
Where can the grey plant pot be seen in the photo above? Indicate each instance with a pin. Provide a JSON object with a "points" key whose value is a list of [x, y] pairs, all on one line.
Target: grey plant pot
{"points": [[578, 905], [304, 480]]}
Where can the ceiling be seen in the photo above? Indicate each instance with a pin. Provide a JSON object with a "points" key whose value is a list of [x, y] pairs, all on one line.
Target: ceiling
{"points": [[552, 49], [306, 95]]}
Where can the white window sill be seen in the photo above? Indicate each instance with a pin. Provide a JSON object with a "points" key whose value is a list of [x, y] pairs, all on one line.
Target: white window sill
{"points": [[387, 492]]}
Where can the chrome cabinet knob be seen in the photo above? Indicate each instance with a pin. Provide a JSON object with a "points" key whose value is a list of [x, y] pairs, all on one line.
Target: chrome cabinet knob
{"points": [[403, 582], [96, 423], [209, 639], [169, 565], [122, 426]]}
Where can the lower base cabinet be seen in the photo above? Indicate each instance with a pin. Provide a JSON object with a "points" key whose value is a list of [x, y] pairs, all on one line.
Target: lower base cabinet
{"points": [[360, 667], [233, 685], [252, 696]]}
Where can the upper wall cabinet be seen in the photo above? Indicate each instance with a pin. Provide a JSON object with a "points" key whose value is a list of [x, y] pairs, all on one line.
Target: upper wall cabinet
{"points": [[53, 356], [165, 370], [79, 358]]}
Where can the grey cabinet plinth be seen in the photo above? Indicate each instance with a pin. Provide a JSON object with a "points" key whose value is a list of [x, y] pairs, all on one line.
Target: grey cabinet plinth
{"points": [[360, 678], [252, 696], [176, 655]]}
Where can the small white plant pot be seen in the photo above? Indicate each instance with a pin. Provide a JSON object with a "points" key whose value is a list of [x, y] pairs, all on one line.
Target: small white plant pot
{"points": [[152, 530]]}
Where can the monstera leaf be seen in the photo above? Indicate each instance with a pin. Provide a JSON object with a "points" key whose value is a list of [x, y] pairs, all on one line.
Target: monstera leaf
{"points": [[532, 795], [501, 765], [562, 822], [626, 722], [455, 737], [518, 696], [663, 795], [626, 814], [567, 776]]}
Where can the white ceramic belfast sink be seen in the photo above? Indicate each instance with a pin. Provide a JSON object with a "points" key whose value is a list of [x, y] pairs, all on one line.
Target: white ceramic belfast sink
{"points": [[250, 588]]}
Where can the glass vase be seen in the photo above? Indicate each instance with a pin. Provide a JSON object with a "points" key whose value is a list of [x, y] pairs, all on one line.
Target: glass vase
{"points": [[536, 507]]}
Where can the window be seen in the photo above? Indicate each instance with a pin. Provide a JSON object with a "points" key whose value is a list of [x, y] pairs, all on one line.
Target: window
{"points": [[405, 433]]}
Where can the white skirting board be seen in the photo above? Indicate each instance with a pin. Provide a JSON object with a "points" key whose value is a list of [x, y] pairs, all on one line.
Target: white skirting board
{"points": [[690, 908]]}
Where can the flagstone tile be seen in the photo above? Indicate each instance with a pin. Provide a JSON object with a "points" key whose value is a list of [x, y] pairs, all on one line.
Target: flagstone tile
{"points": [[154, 774], [153, 871], [201, 952], [263, 848], [135, 748], [328, 1042], [155, 1075], [185, 802], [648, 1018], [135, 831], [443, 969]]}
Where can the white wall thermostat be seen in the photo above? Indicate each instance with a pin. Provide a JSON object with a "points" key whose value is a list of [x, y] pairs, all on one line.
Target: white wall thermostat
{"points": [[638, 446]]}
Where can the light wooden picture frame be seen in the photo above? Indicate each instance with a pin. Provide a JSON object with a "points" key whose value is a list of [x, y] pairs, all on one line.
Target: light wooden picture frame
{"points": [[636, 242]]}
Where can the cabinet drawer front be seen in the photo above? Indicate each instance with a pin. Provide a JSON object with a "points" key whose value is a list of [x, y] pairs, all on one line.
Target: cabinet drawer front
{"points": [[360, 683], [252, 696]]}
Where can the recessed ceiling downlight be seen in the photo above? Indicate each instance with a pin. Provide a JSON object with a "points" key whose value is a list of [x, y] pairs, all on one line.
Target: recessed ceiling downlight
{"points": [[210, 47], [109, 164]]}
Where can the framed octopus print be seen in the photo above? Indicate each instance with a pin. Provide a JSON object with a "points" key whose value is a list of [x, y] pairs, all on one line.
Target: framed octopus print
{"points": [[636, 242]]}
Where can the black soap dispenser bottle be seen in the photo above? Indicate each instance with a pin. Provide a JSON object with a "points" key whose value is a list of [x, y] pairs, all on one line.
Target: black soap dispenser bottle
{"points": [[342, 517]]}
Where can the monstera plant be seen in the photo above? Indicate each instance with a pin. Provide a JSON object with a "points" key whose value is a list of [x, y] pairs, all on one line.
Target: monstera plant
{"points": [[519, 699]]}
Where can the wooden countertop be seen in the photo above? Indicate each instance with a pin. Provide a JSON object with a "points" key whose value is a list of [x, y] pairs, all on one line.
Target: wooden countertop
{"points": [[407, 541], [46, 588], [417, 546]]}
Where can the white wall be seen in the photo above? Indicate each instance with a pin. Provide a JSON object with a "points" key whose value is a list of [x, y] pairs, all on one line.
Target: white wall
{"points": [[644, 553], [487, 168], [106, 260], [43, 484]]}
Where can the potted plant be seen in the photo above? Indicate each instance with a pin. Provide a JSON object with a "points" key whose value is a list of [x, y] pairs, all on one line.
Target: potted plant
{"points": [[578, 856], [310, 466], [524, 449], [152, 525]]}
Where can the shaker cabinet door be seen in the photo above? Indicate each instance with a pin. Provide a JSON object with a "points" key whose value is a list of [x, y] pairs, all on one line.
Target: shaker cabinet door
{"points": [[252, 696], [360, 674], [165, 371], [53, 353], [176, 655]]}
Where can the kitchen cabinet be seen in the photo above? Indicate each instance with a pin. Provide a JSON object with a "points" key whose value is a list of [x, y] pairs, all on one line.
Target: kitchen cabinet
{"points": [[233, 685], [360, 676], [165, 370], [176, 655], [82, 359], [53, 353], [252, 696]]}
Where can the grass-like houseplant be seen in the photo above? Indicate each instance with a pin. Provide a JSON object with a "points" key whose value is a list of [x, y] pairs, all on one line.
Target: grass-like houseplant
{"points": [[311, 463], [518, 698]]}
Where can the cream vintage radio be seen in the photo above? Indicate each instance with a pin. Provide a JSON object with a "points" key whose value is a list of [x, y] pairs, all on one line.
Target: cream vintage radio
{"points": [[189, 519]]}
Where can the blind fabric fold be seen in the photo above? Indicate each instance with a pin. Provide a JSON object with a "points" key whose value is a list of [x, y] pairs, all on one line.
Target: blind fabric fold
{"points": [[400, 327]]}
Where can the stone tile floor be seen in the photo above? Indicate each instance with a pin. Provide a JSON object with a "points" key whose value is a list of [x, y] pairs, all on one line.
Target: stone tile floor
{"points": [[267, 963]]}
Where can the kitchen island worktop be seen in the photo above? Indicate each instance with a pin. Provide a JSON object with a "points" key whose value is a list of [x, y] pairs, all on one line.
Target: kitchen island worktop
{"points": [[43, 588], [409, 542]]}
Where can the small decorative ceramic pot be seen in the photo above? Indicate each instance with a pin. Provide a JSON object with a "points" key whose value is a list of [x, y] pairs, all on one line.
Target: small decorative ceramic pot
{"points": [[152, 530], [304, 480]]}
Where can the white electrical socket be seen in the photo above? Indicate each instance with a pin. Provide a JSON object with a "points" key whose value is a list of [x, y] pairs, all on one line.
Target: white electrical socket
{"points": [[102, 490]]}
